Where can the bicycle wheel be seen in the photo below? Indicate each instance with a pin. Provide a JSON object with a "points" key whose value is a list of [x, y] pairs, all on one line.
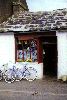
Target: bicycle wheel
{"points": [[19, 75], [1, 75], [10, 76], [31, 74]]}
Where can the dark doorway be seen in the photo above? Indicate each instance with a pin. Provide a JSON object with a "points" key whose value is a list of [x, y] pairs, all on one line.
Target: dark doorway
{"points": [[50, 59], [49, 46]]}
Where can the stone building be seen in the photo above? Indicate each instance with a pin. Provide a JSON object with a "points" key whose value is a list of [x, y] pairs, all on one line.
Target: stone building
{"points": [[8, 7], [37, 36]]}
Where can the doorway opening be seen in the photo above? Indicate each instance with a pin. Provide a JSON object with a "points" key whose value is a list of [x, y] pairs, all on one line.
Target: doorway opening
{"points": [[50, 58]]}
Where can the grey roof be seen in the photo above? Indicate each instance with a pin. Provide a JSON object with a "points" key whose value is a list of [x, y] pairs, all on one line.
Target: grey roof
{"points": [[36, 21]]}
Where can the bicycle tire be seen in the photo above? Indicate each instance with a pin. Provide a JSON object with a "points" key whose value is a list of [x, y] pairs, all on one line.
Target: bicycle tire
{"points": [[10, 76], [31, 74], [18, 75], [1, 75]]}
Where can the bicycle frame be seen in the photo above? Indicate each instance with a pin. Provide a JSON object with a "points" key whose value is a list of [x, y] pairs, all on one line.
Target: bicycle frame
{"points": [[14, 74], [24, 73], [11, 72]]}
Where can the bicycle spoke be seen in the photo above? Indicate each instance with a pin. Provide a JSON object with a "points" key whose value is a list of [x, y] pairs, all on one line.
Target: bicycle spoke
{"points": [[31, 74], [1, 75], [10, 76], [19, 75]]}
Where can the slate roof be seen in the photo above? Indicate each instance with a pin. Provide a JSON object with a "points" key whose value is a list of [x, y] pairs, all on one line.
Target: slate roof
{"points": [[36, 21]]}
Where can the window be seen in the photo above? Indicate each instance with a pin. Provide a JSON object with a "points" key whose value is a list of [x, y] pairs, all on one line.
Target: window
{"points": [[27, 50]]}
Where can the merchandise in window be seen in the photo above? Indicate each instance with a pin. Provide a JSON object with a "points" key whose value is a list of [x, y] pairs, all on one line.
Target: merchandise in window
{"points": [[27, 50]]}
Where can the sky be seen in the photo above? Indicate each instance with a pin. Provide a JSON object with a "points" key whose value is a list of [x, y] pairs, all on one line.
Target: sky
{"points": [[46, 5]]}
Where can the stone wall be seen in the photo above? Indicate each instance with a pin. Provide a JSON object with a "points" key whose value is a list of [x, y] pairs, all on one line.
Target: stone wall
{"points": [[6, 8]]}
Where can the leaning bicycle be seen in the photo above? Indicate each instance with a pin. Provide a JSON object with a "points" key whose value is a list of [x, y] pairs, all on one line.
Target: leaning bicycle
{"points": [[3, 70], [16, 74], [29, 73], [13, 74], [1, 75]]}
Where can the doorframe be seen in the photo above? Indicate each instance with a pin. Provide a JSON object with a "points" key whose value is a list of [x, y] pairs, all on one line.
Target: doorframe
{"points": [[56, 52]]}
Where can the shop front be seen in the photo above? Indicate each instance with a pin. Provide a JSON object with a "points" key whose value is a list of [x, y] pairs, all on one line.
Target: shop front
{"points": [[38, 39], [45, 51], [38, 50]]}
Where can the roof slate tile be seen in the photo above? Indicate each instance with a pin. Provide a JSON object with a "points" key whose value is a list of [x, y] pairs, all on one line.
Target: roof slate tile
{"points": [[36, 21]]}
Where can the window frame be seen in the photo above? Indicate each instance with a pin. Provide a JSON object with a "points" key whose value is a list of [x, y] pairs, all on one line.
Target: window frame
{"points": [[16, 48], [39, 46]]}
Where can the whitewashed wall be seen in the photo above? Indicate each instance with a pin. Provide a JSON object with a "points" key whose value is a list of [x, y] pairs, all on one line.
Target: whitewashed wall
{"points": [[62, 54], [7, 53], [38, 67], [7, 48]]}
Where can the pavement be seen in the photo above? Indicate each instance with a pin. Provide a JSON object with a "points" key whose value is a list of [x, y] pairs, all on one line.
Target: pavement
{"points": [[48, 88]]}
